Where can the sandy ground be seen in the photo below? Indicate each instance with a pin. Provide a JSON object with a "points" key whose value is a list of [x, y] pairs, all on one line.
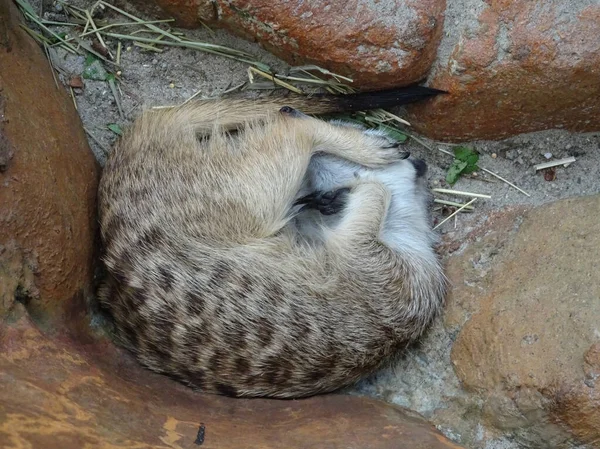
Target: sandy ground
{"points": [[172, 76]]}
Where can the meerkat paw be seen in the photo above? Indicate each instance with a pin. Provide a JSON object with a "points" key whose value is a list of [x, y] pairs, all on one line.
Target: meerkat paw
{"points": [[328, 203], [383, 147]]}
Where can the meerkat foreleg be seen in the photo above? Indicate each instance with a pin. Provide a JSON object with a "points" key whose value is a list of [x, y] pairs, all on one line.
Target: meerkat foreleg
{"points": [[364, 147]]}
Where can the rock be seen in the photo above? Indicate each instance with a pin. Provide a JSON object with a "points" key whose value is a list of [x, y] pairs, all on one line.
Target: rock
{"points": [[535, 329], [514, 67], [76, 82], [379, 44], [71, 393], [515, 361], [48, 179]]}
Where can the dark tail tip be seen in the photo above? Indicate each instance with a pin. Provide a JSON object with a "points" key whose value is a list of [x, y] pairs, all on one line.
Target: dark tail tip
{"points": [[365, 101]]}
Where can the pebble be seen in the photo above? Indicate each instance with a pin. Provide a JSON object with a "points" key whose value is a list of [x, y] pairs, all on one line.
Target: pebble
{"points": [[154, 61], [548, 155], [494, 155]]}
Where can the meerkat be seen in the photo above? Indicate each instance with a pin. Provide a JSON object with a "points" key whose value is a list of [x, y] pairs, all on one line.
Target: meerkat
{"points": [[252, 250]]}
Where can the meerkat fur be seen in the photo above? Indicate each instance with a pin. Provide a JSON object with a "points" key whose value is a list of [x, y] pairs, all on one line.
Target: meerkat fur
{"points": [[214, 276]]}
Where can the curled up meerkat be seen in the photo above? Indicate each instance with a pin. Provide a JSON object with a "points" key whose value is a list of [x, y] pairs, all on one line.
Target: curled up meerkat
{"points": [[252, 250]]}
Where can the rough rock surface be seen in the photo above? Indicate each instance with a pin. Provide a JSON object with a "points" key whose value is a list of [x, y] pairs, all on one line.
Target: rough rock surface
{"points": [[515, 362], [80, 391], [48, 178], [526, 347], [380, 43], [514, 67]]}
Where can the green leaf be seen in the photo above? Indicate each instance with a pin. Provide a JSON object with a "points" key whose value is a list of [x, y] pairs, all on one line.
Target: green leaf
{"points": [[470, 169], [94, 70], [394, 133], [465, 162], [466, 154], [455, 170], [89, 60], [59, 37], [115, 128]]}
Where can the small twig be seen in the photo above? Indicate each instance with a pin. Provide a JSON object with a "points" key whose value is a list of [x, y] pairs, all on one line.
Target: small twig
{"points": [[73, 97], [231, 89], [119, 46], [209, 29], [51, 64], [306, 68], [38, 37], [113, 88], [68, 24], [395, 117], [504, 180], [252, 70], [565, 162], [316, 81], [98, 35], [192, 97], [339, 88], [74, 8], [102, 147], [461, 193], [148, 47], [452, 203], [464, 206]]}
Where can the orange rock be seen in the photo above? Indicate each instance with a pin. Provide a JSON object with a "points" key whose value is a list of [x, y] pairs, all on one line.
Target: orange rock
{"points": [[520, 67], [76, 81], [379, 44], [75, 393], [529, 345], [48, 178]]}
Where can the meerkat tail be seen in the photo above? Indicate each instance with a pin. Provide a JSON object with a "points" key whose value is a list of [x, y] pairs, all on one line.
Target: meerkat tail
{"points": [[364, 101], [327, 103]]}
